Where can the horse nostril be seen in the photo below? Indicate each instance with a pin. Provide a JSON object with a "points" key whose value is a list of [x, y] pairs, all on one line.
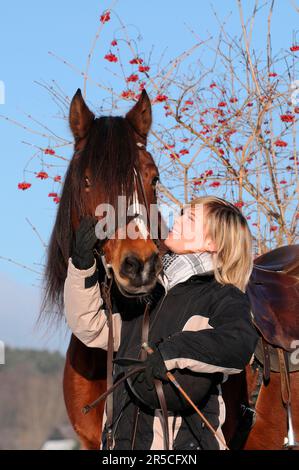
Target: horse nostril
{"points": [[155, 263], [132, 266], [140, 272], [152, 267]]}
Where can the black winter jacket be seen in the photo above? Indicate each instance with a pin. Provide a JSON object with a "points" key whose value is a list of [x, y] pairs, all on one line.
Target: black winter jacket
{"points": [[200, 327]]}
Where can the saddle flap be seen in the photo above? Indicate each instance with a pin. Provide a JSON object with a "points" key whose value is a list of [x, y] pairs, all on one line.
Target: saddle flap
{"points": [[274, 298]]}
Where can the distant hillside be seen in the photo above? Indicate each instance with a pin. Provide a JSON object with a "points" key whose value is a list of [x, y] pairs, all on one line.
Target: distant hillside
{"points": [[31, 398], [44, 362]]}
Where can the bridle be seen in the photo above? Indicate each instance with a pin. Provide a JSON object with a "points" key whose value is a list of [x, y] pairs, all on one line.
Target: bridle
{"points": [[137, 216]]}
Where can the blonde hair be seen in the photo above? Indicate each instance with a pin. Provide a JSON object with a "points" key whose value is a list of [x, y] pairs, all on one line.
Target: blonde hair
{"points": [[228, 229]]}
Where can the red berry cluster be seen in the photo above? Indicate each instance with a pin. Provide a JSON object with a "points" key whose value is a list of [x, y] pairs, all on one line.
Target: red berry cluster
{"points": [[42, 175], [24, 185], [111, 57], [49, 151], [105, 17]]}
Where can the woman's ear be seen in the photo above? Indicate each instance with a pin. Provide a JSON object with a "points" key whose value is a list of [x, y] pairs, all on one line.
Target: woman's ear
{"points": [[210, 245]]}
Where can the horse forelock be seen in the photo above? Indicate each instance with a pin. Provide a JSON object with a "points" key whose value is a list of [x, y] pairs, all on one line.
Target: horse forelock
{"points": [[109, 158]]}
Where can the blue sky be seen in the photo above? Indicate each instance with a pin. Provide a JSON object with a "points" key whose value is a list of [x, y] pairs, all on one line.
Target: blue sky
{"points": [[28, 30]]}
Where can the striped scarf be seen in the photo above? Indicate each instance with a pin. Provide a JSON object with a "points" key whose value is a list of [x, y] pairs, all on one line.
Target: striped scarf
{"points": [[179, 268]]}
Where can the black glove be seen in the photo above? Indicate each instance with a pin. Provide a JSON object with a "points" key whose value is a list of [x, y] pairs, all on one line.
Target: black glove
{"points": [[84, 243], [154, 367]]}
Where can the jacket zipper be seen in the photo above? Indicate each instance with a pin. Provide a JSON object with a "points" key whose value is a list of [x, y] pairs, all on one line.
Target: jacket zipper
{"points": [[162, 301]]}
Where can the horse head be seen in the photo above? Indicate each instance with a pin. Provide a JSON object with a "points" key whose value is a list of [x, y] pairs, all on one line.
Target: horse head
{"points": [[110, 160]]}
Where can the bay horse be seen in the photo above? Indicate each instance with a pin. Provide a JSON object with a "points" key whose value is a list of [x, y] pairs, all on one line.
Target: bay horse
{"points": [[107, 152]]}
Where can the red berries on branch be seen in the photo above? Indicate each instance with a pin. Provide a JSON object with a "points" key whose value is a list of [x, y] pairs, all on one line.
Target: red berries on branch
{"points": [[42, 175], [203, 179], [161, 98], [169, 146], [174, 156], [143, 68], [136, 60], [55, 197], [111, 57], [280, 143], [287, 117], [132, 78], [105, 17], [128, 94], [24, 185], [49, 151]]}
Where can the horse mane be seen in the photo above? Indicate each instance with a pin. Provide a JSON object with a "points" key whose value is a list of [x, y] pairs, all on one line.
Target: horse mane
{"points": [[110, 155]]}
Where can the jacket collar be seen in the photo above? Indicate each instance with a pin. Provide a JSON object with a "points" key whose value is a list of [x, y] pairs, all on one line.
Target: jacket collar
{"points": [[195, 279]]}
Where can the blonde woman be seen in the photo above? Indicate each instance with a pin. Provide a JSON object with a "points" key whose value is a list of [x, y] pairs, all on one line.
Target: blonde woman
{"points": [[200, 328]]}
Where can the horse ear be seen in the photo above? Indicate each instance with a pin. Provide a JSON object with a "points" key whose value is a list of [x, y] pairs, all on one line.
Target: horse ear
{"points": [[80, 117], [140, 115]]}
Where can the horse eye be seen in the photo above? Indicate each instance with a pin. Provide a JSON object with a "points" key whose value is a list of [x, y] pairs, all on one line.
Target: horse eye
{"points": [[155, 180]]}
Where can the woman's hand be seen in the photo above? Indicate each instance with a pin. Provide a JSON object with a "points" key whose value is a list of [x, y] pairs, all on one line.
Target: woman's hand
{"points": [[84, 243], [154, 367]]}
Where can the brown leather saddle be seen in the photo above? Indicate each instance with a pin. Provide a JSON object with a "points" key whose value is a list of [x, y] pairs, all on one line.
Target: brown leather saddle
{"points": [[274, 295]]}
